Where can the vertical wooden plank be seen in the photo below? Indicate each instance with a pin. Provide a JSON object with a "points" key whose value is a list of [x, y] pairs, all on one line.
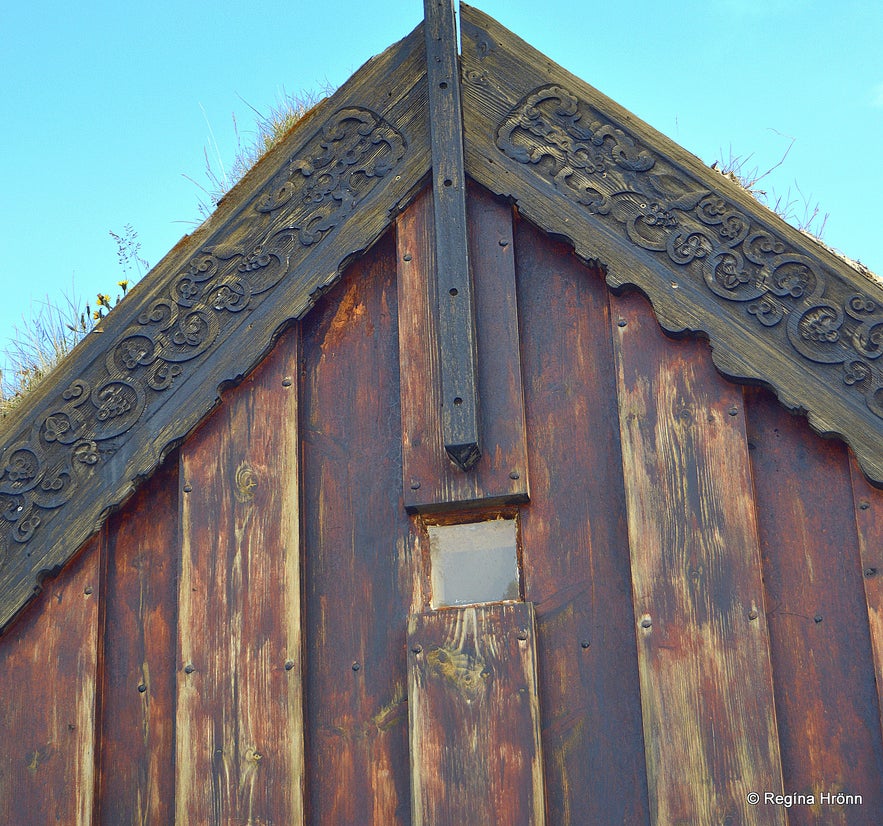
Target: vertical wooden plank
{"points": [[823, 664], [474, 717], [575, 562], [429, 478], [48, 680], [239, 726], [136, 765], [356, 551], [703, 645], [869, 524]]}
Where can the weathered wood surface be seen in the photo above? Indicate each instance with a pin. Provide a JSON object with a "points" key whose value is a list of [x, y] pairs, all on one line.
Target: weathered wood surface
{"points": [[868, 503], [823, 666], [703, 644], [139, 647], [574, 542], [207, 314], [777, 307], [239, 723], [474, 717], [48, 681], [454, 305], [357, 568], [430, 480]]}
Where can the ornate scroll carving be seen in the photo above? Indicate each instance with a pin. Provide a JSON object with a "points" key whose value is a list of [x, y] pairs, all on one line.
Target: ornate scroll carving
{"points": [[79, 430], [668, 212]]}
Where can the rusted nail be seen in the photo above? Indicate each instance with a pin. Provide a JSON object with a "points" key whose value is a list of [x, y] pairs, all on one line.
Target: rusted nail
{"points": [[417, 649], [415, 485], [752, 614], [864, 505], [522, 634], [585, 644], [621, 323], [142, 688], [646, 622], [818, 617], [189, 669], [286, 382], [504, 242], [289, 664], [356, 666], [407, 256], [187, 488], [514, 475], [734, 411], [88, 590], [869, 572]]}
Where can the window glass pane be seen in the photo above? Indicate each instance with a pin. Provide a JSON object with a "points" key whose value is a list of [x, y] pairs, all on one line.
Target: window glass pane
{"points": [[475, 562]]}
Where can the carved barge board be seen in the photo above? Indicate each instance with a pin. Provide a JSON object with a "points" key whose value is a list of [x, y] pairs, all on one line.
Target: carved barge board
{"points": [[140, 595], [454, 306], [574, 542], [48, 680], [778, 308], [703, 646], [474, 717], [239, 723], [207, 314], [823, 665], [356, 567], [500, 476]]}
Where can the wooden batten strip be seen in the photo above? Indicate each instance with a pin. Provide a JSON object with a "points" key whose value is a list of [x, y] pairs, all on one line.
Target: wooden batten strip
{"points": [[500, 476], [474, 717], [453, 294], [869, 523], [703, 646], [239, 722]]}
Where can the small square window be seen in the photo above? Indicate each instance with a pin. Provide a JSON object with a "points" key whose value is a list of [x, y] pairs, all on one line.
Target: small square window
{"points": [[473, 563]]}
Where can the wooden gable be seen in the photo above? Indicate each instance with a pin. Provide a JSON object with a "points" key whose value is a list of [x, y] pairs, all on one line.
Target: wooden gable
{"points": [[251, 636]]}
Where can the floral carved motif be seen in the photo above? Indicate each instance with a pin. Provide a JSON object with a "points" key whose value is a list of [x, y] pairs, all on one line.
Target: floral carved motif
{"points": [[600, 166], [169, 337]]}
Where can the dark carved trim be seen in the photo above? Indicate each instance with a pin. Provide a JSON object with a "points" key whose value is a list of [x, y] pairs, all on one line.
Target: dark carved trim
{"points": [[596, 163], [777, 308], [206, 315]]}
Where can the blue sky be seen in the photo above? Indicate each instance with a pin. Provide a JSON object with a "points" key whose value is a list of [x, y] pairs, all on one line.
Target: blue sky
{"points": [[108, 106]]}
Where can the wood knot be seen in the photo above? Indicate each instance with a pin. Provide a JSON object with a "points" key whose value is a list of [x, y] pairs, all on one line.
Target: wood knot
{"points": [[246, 483]]}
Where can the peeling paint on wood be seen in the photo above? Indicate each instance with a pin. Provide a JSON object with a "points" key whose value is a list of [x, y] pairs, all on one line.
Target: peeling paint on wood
{"points": [[474, 717], [868, 504], [823, 665], [48, 681], [357, 574], [430, 481], [574, 542], [704, 653], [137, 726], [240, 740]]}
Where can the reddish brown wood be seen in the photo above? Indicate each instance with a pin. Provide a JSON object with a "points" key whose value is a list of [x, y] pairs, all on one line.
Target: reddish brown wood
{"points": [[239, 721], [430, 478], [137, 726], [48, 677], [474, 717], [818, 617], [357, 573], [703, 645], [575, 544], [868, 502]]}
